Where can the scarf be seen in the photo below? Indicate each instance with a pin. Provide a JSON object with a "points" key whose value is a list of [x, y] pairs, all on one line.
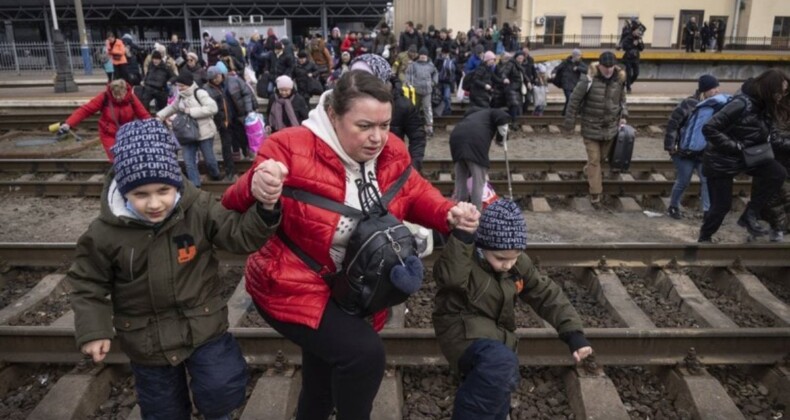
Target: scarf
{"points": [[283, 104]]}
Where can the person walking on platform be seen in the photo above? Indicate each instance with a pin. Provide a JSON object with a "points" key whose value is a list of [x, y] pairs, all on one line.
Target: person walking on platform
{"points": [[690, 32], [216, 89], [685, 142], [133, 54], [632, 48], [157, 79], [423, 76], [470, 142], [117, 52], [118, 106], [739, 131], [479, 275], [482, 82], [600, 101], [567, 74]]}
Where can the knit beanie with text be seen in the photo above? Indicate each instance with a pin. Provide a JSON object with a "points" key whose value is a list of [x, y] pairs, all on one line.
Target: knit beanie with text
{"points": [[145, 153], [502, 227]]}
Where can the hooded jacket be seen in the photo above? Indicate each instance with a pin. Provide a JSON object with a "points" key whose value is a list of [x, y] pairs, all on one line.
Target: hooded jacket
{"points": [[157, 77], [197, 103], [600, 107], [320, 55], [279, 281], [114, 113], [407, 122], [474, 302], [423, 76], [162, 279], [471, 139]]}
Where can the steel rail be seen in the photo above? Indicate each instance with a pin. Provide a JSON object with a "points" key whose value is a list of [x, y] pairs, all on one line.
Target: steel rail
{"points": [[84, 188], [655, 255], [418, 347], [429, 166]]}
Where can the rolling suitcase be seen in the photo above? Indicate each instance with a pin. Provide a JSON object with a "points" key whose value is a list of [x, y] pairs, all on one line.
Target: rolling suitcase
{"points": [[622, 149]]}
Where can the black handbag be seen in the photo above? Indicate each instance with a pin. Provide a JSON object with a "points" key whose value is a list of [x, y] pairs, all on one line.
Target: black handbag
{"points": [[185, 128], [758, 154]]}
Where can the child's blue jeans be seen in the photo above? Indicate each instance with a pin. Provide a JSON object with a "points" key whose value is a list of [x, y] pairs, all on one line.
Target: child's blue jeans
{"points": [[684, 168], [218, 380], [490, 373]]}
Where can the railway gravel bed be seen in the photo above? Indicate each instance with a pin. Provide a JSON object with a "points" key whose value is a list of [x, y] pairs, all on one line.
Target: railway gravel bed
{"points": [[16, 283], [661, 311], [749, 395], [593, 314], [643, 394], [52, 308], [778, 284], [252, 319], [120, 403], [229, 278], [20, 401], [541, 394], [741, 313]]}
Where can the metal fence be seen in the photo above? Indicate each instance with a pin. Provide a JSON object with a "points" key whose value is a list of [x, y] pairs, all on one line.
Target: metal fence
{"points": [[22, 57], [610, 41]]}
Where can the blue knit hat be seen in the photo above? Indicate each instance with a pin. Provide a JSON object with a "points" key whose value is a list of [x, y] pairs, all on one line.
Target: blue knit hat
{"points": [[502, 227], [145, 153]]}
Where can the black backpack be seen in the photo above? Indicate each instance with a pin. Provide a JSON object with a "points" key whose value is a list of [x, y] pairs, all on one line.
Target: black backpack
{"points": [[379, 242]]}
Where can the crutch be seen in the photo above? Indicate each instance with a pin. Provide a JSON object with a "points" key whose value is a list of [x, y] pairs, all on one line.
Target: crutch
{"points": [[507, 165]]}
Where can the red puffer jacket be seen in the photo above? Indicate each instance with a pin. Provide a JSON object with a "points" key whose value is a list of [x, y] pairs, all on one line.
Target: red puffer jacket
{"points": [[278, 280], [114, 113]]}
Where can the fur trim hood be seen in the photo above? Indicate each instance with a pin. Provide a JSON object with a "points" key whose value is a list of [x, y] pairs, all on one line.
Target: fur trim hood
{"points": [[619, 72]]}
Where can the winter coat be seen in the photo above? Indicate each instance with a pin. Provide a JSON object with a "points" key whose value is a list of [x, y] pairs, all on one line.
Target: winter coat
{"points": [[529, 70], [470, 140], [570, 72], [198, 73], [212, 50], [301, 72], [236, 52], [401, 64], [406, 122], [423, 76], [117, 52], [333, 43], [157, 77], [601, 107], [676, 121], [169, 62], [257, 54], [409, 39], [281, 65], [512, 71], [132, 63], [320, 55], [218, 94], [163, 282], [632, 47], [474, 302], [382, 40], [300, 110], [278, 281], [242, 98], [114, 113], [482, 76], [447, 70], [365, 46], [196, 103], [740, 124], [176, 49]]}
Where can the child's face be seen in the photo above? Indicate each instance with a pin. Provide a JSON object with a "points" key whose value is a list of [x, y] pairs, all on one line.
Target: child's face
{"points": [[501, 261], [153, 201]]}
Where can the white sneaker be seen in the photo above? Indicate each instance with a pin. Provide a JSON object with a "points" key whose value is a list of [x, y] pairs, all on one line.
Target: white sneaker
{"points": [[776, 235]]}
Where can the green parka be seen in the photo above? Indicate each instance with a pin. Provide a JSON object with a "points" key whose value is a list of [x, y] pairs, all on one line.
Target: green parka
{"points": [[474, 302], [157, 285], [600, 105]]}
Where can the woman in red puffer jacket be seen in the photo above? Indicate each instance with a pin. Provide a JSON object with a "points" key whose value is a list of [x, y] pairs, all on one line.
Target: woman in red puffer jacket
{"points": [[346, 139], [118, 106]]}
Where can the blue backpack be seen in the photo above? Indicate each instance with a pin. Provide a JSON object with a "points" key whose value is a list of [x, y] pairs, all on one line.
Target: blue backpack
{"points": [[692, 141]]}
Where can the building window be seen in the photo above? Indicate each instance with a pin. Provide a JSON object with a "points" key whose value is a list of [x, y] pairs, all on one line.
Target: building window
{"points": [[510, 4], [555, 27], [781, 26], [493, 8]]}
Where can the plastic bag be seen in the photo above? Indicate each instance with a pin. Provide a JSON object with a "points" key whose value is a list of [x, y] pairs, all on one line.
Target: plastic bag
{"points": [[489, 195], [254, 128], [459, 93]]}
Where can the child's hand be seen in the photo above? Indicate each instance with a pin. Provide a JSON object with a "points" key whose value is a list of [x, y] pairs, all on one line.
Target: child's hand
{"points": [[267, 182], [582, 354], [464, 216], [97, 349]]}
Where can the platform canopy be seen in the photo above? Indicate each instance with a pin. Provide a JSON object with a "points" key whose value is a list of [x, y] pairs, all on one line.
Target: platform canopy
{"points": [[34, 10]]}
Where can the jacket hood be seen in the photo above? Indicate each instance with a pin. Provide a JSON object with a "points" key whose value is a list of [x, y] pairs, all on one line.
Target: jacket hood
{"points": [[721, 98], [113, 205], [318, 122], [190, 91], [619, 73]]}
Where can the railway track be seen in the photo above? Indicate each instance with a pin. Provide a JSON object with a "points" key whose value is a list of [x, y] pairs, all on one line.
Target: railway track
{"points": [[685, 360]]}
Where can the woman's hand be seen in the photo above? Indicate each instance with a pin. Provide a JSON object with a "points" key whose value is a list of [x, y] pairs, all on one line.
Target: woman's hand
{"points": [[97, 349], [267, 182], [582, 354], [464, 216]]}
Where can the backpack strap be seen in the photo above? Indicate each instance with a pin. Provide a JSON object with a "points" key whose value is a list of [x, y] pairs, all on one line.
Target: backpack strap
{"points": [[308, 260], [386, 198]]}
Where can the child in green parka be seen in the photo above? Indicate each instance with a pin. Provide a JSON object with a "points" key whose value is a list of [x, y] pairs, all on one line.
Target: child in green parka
{"points": [[479, 274], [146, 272]]}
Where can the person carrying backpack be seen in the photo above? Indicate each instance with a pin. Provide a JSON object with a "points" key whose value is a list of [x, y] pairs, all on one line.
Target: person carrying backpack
{"points": [[685, 142], [447, 70], [353, 164]]}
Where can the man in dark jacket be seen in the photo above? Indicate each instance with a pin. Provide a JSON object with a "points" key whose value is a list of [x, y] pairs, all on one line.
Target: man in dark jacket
{"points": [[567, 75], [157, 77], [632, 47], [470, 142], [410, 37], [280, 62], [216, 89], [242, 102], [306, 76], [690, 34], [177, 48], [133, 52]]}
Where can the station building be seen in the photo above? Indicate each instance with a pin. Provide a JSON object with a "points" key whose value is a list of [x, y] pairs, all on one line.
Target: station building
{"points": [[750, 24]]}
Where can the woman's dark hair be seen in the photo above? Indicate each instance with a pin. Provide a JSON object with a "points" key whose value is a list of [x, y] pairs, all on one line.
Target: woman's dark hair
{"points": [[764, 89], [357, 84]]}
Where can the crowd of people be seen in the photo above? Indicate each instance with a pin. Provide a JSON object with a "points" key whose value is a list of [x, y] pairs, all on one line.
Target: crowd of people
{"points": [[708, 37]]}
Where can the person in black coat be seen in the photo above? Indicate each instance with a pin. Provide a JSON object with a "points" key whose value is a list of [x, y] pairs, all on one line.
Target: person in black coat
{"points": [[306, 76], [470, 142], [690, 32], [632, 48], [483, 80], [157, 77], [286, 108], [567, 74], [750, 119]]}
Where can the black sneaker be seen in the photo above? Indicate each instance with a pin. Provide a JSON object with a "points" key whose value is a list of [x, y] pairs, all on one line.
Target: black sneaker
{"points": [[749, 221], [704, 239], [674, 212], [628, 90]]}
